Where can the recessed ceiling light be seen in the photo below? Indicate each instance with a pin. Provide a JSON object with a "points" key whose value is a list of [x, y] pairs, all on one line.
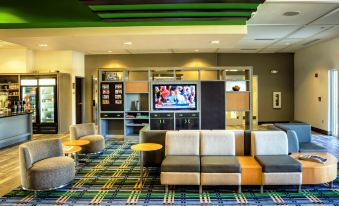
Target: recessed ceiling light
{"points": [[291, 13], [274, 71], [109, 51], [128, 43], [215, 42], [196, 50], [43, 45]]}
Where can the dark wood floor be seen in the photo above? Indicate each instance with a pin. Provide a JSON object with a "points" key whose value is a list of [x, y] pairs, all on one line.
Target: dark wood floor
{"points": [[9, 161]]}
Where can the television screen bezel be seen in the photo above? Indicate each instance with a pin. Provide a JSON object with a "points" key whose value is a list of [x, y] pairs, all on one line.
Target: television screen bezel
{"points": [[175, 109]]}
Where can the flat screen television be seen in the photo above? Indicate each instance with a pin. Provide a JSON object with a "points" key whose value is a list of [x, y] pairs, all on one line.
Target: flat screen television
{"points": [[174, 97]]}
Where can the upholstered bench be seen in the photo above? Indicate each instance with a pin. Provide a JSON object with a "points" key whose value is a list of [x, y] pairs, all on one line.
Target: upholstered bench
{"points": [[219, 165], [181, 165], [270, 149]]}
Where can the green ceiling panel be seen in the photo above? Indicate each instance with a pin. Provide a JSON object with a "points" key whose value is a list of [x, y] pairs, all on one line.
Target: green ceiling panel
{"points": [[78, 13], [174, 6], [119, 24], [174, 14]]}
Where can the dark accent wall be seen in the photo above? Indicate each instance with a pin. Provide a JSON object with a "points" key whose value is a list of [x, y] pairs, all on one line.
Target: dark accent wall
{"points": [[262, 64], [212, 105]]}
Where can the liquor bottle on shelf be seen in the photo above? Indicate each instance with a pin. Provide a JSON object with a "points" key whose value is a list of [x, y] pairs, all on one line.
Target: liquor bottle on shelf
{"points": [[24, 109], [19, 107]]}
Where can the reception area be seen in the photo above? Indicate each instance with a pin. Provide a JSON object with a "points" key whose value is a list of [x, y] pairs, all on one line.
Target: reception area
{"points": [[190, 102]]}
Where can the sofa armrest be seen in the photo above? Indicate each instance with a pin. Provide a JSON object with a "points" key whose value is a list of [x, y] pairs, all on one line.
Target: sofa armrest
{"points": [[293, 142]]}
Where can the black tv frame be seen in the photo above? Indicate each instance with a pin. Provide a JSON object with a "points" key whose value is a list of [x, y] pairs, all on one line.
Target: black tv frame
{"points": [[175, 109]]}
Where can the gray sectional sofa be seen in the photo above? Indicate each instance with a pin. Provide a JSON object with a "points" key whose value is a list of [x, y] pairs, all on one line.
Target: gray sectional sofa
{"points": [[209, 157]]}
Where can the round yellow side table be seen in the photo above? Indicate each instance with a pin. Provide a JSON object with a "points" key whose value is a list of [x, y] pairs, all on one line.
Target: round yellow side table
{"points": [[144, 147], [76, 143]]}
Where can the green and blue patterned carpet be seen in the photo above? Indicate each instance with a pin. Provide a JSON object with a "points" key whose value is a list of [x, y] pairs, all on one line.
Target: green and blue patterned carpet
{"points": [[112, 178]]}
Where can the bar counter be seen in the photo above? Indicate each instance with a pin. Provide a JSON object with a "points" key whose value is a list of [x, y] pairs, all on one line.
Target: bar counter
{"points": [[15, 128]]}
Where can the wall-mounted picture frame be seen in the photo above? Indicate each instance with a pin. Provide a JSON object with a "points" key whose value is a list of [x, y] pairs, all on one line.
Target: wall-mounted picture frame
{"points": [[276, 100]]}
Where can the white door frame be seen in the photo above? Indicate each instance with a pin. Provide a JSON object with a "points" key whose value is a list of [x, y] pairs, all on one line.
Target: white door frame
{"points": [[333, 103]]}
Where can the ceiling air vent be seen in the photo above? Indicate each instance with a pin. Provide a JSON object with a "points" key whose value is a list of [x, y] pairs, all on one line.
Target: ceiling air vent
{"points": [[248, 49], [310, 42]]}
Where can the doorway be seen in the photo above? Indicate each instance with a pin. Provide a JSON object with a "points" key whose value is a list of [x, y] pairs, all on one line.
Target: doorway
{"points": [[333, 102], [79, 100]]}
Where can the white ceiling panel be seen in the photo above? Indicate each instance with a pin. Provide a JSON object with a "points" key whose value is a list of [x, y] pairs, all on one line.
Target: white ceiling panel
{"points": [[309, 31], [251, 43], [269, 50], [272, 13], [285, 43], [330, 18], [268, 32], [202, 50], [238, 50]]}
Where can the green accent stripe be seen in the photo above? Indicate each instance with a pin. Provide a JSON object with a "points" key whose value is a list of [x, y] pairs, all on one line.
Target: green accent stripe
{"points": [[173, 14], [118, 24], [174, 6]]}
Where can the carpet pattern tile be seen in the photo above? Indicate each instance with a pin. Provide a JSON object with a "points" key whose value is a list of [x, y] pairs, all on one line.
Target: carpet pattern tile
{"points": [[113, 178]]}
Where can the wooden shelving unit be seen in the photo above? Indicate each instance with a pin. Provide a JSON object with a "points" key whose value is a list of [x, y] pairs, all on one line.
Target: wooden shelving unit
{"points": [[239, 104], [137, 84]]}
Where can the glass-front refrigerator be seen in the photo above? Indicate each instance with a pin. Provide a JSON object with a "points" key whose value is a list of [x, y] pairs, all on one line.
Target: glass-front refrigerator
{"points": [[47, 104], [28, 94], [39, 93]]}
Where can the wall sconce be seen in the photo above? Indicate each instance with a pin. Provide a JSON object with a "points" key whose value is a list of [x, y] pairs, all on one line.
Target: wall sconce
{"points": [[274, 71]]}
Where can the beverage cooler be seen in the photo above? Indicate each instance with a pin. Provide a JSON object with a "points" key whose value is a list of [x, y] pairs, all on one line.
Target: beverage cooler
{"points": [[40, 95]]}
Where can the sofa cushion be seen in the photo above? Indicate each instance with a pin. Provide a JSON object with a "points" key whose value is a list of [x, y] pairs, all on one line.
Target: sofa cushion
{"points": [[303, 130], [217, 142], [269, 143], [311, 147], [181, 163], [51, 172], [278, 163], [220, 164], [182, 143]]}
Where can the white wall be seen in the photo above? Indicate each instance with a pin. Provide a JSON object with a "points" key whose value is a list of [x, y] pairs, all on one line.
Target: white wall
{"points": [[28, 61], [318, 59], [14, 60], [71, 62]]}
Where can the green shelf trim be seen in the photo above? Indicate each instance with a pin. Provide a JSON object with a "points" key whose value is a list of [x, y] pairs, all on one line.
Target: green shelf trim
{"points": [[174, 6], [173, 14], [119, 24]]}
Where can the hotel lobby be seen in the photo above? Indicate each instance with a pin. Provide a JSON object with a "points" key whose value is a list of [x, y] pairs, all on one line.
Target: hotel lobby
{"points": [[169, 102]]}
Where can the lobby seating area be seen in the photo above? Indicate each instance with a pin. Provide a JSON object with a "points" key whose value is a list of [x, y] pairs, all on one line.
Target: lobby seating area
{"points": [[169, 102]]}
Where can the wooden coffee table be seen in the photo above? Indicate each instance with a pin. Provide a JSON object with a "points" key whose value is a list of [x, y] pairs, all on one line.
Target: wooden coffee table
{"points": [[318, 173], [145, 147]]}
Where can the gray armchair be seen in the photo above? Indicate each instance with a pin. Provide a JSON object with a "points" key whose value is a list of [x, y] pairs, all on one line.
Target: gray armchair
{"points": [[299, 137], [87, 131], [43, 165]]}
